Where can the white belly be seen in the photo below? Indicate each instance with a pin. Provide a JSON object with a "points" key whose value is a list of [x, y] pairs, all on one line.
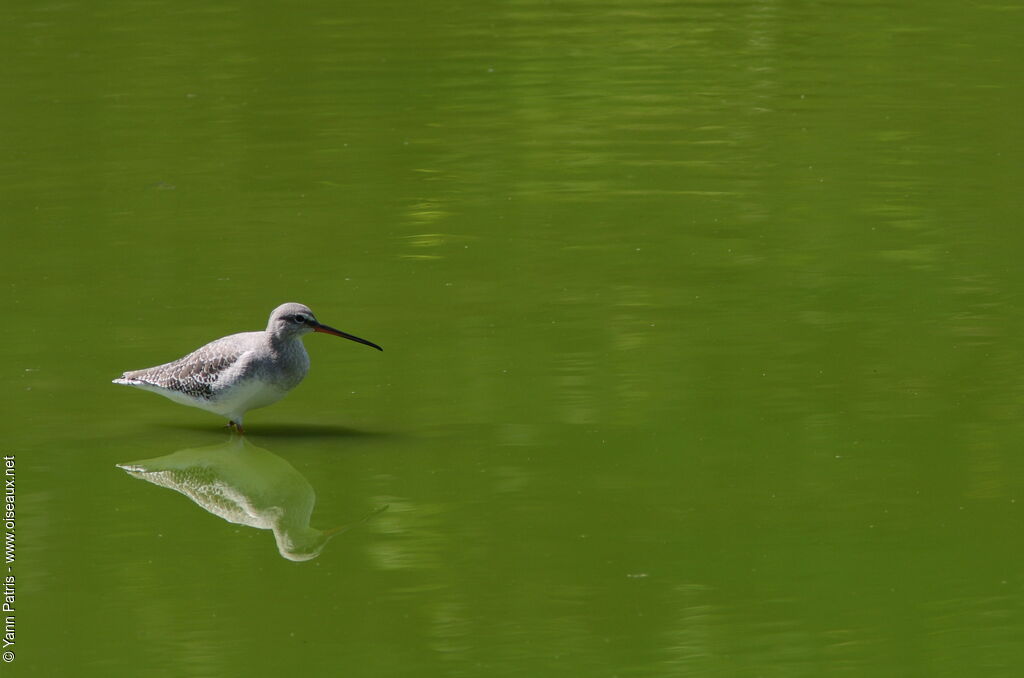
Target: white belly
{"points": [[247, 395]]}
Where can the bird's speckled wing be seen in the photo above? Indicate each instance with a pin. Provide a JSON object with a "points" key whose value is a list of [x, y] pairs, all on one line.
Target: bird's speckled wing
{"points": [[196, 374]]}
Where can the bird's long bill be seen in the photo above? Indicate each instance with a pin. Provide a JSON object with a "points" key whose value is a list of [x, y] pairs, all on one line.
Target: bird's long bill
{"points": [[338, 333]]}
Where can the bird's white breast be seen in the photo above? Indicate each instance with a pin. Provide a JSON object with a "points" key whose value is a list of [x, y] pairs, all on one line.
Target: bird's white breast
{"points": [[247, 394]]}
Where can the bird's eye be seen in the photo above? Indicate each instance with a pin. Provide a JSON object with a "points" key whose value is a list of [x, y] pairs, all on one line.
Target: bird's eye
{"points": [[300, 318]]}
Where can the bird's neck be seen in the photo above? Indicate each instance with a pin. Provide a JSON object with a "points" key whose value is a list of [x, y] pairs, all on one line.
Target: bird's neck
{"points": [[287, 347]]}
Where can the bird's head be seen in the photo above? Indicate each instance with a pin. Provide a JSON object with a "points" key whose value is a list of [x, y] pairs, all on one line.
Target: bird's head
{"points": [[294, 320]]}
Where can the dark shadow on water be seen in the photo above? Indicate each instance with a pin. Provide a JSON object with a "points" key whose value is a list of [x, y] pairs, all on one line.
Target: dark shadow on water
{"points": [[289, 431], [313, 431]]}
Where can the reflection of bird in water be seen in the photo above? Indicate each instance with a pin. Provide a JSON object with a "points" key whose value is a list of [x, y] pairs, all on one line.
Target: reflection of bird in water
{"points": [[246, 485], [240, 372]]}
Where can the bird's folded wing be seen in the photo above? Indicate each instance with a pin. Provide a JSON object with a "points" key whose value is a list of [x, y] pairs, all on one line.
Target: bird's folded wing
{"points": [[195, 374]]}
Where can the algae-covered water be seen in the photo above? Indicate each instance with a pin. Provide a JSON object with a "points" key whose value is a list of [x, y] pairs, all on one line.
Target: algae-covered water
{"points": [[701, 328]]}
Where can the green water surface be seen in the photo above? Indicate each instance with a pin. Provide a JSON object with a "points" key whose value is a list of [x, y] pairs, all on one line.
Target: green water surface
{"points": [[701, 323]]}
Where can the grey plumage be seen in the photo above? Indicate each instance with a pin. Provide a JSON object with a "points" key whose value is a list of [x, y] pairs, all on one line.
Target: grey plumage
{"points": [[242, 371], [195, 374]]}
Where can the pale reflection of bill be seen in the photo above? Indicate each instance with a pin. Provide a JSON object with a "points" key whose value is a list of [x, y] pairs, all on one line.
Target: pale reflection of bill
{"points": [[246, 485]]}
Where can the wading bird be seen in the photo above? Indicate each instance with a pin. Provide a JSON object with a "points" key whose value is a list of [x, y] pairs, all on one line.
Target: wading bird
{"points": [[240, 372]]}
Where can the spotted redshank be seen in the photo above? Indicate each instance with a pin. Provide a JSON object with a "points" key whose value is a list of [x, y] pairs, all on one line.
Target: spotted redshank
{"points": [[240, 372]]}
